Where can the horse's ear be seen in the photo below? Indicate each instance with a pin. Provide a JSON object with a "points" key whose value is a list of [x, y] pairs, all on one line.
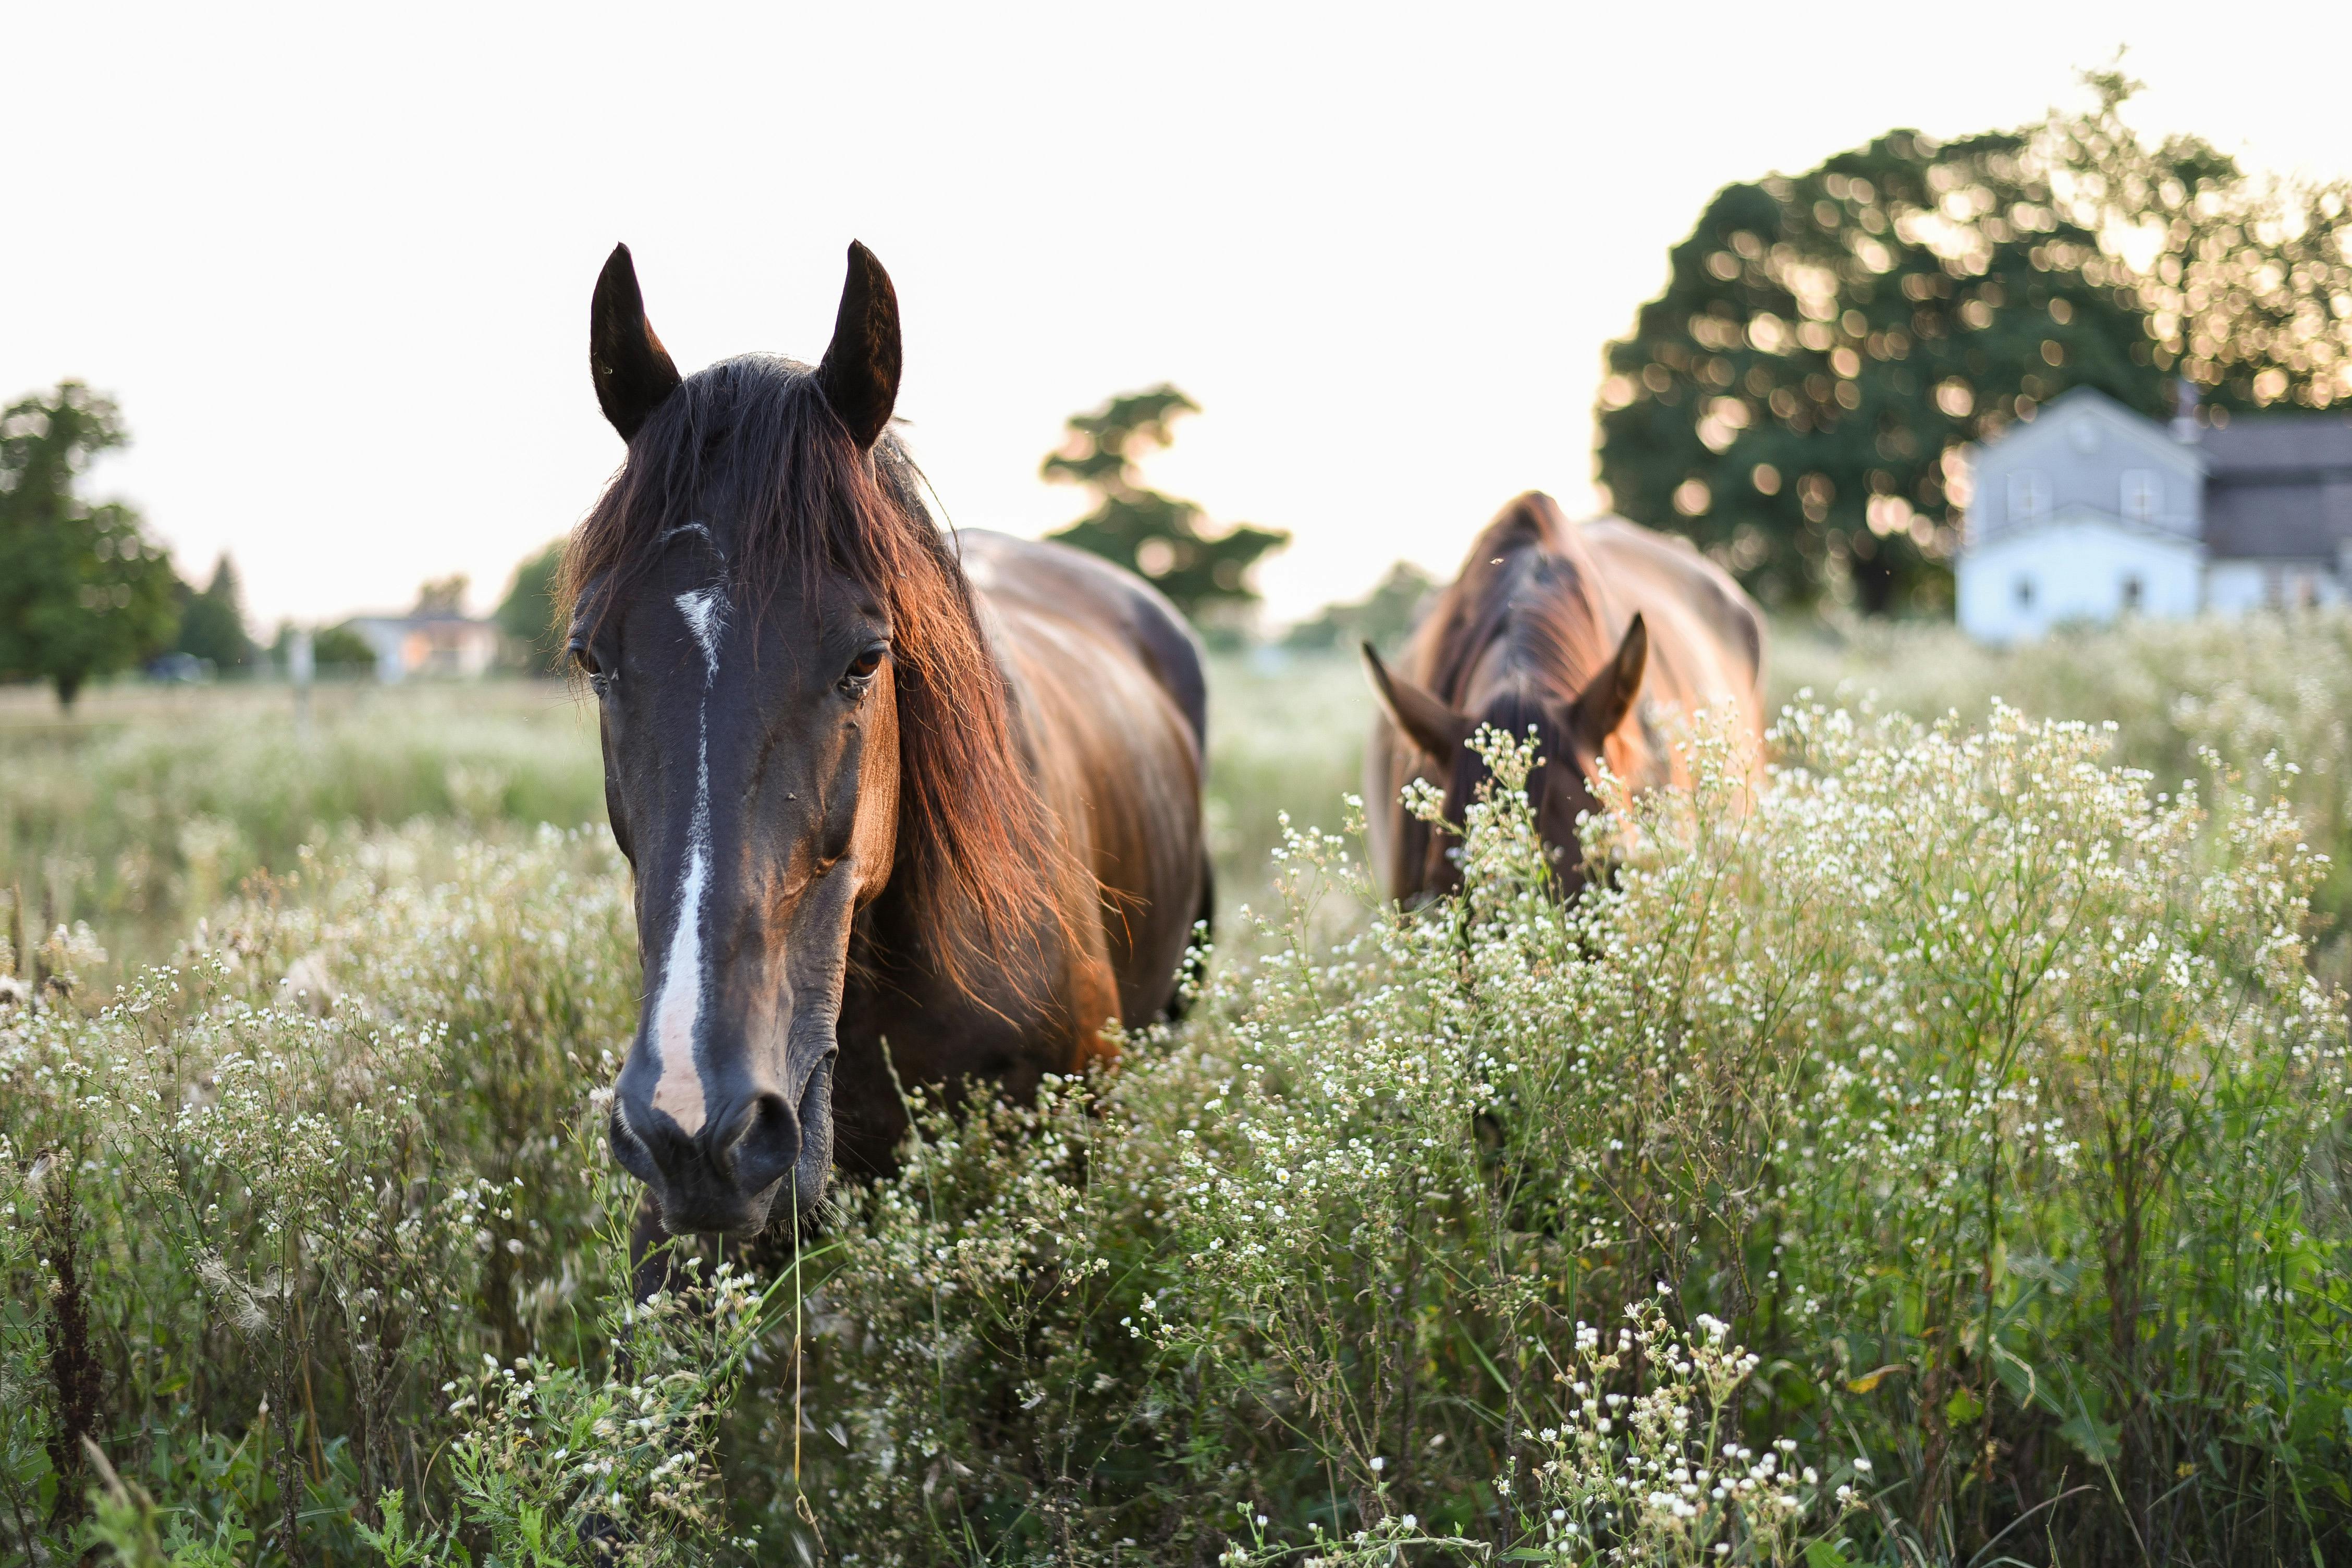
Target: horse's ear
{"points": [[633, 371], [859, 371], [1601, 707], [1425, 720]]}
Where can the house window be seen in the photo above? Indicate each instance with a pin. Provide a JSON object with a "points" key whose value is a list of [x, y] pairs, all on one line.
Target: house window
{"points": [[2025, 593], [2131, 594], [2029, 496], [2143, 495]]}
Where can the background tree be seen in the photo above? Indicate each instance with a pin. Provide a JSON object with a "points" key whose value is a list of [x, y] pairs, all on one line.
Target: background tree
{"points": [[212, 623], [443, 596], [1157, 535], [1382, 617], [83, 591], [527, 615], [1798, 398], [1796, 401], [2246, 279], [339, 648], [336, 647]]}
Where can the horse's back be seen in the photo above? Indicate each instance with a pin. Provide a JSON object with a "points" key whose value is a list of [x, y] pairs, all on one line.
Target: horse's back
{"points": [[1112, 702], [1706, 635], [1065, 582]]}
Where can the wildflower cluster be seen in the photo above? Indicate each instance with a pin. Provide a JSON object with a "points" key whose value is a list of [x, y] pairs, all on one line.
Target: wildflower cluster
{"points": [[560, 1462], [1658, 1475]]}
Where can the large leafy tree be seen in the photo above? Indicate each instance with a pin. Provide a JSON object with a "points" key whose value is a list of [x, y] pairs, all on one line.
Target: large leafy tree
{"points": [[2246, 279], [441, 596], [1796, 400], [1799, 398], [83, 591], [1142, 529]]}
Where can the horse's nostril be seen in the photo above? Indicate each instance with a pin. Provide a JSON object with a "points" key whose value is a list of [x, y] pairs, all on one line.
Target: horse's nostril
{"points": [[629, 1151], [768, 1147]]}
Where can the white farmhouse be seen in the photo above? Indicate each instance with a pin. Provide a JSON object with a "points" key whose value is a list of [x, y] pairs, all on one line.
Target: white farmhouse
{"points": [[427, 643], [2093, 511]]}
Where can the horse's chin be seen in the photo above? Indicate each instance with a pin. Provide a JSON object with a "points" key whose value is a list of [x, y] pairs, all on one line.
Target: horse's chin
{"points": [[799, 1196], [813, 1166], [758, 1210]]}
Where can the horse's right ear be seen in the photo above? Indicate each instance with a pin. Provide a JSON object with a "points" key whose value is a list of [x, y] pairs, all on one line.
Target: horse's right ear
{"points": [[859, 371], [633, 371], [1425, 721]]}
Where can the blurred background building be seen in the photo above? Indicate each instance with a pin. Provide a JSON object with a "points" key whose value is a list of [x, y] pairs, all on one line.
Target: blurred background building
{"points": [[428, 644], [2093, 511]]}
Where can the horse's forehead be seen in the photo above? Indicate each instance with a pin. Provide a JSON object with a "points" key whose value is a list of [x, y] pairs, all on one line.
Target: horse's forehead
{"points": [[730, 610], [692, 533]]}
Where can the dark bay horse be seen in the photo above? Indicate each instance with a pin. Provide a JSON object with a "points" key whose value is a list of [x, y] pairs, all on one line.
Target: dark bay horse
{"points": [[873, 786], [1572, 628]]}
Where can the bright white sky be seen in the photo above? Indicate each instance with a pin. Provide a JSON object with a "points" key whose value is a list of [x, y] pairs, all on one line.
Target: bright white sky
{"points": [[335, 260]]}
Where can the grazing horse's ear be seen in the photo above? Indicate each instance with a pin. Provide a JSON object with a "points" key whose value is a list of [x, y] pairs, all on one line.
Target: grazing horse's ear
{"points": [[633, 371], [859, 371], [1600, 706], [1426, 721]]}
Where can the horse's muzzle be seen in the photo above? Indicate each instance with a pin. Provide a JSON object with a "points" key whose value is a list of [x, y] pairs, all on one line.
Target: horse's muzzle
{"points": [[728, 1178]]}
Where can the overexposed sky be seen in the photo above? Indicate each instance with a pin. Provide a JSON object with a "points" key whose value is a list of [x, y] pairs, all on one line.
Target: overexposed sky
{"points": [[335, 261]]}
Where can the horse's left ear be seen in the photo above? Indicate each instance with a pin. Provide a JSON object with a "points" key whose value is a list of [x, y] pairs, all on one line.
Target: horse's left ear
{"points": [[1601, 707], [859, 371]]}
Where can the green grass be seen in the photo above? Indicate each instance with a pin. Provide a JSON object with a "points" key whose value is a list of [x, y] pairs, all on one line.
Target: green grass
{"points": [[143, 809], [147, 806]]}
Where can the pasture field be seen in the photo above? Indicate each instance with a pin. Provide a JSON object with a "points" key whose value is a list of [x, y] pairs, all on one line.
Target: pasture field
{"points": [[1939, 1159]]}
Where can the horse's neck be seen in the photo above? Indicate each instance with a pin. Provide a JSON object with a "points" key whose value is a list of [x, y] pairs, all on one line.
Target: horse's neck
{"points": [[892, 954]]}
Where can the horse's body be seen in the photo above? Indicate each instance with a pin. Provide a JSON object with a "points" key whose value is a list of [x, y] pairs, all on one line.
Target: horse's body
{"points": [[1109, 708], [876, 785], [1604, 637]]}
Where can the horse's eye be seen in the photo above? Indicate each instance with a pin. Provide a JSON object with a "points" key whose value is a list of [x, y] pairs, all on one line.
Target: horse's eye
{"points": [[599, 681], [867, 661]]}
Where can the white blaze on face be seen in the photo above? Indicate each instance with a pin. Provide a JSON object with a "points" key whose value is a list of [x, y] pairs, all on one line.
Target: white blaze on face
{"points": [[678, 1090]]}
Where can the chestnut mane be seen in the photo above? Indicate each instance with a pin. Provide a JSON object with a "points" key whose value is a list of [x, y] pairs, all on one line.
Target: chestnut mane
{"points": [[752, 439]]}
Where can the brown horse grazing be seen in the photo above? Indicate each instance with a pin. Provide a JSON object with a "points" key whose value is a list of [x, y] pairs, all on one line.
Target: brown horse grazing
{"points": [[873, 788], [1561, 627]]}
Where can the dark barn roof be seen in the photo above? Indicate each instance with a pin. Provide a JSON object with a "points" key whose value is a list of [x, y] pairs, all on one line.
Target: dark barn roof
{"points": [[2279, 486]]}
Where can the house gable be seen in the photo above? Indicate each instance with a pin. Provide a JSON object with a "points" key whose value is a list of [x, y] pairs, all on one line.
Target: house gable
{"points": [[2087, 454], [2091, 511]]}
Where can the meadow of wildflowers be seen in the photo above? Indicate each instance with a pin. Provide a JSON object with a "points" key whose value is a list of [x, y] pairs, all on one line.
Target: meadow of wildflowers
{"points": [[1936, 1156]]}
